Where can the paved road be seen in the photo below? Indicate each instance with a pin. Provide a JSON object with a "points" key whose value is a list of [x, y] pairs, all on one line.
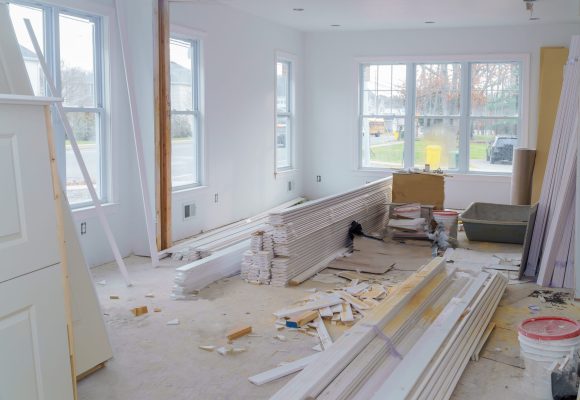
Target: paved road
{"points": [[183, 165]]}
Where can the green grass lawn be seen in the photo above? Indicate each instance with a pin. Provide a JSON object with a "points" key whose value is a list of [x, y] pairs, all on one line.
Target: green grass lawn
{"points": [[394, 153]]}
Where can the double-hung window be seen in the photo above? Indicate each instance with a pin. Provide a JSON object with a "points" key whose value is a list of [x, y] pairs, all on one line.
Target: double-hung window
{"points": [[185, 113], [72, 44], [457, 115], [284, 114]]}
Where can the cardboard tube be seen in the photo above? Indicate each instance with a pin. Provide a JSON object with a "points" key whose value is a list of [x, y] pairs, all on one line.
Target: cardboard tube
{"points": [[523, 169]]}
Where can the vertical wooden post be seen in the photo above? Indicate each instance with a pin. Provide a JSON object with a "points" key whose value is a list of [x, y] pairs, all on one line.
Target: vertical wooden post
{"points": [[163, 141], [62, 249]]}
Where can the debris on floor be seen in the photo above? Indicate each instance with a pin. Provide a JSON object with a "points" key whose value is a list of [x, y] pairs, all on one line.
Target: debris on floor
{"points": [[137, 311], [173, 322], [552, 297], [239, 332]]}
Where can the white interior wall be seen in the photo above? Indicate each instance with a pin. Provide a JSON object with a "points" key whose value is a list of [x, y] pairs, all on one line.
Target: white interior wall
{"points": [[238, 53], [238, 65], [331, 97]]}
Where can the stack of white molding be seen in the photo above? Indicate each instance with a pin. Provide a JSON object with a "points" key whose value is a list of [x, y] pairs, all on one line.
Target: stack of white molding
{"points": [[204, 244], [551, 255], [308, 236], [413, 345], [257, 262], [216, 254]]}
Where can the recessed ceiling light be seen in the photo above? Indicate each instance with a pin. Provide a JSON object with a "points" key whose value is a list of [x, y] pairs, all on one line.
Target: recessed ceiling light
{"points": [[335, 25], [429, 22], [298, 9]]}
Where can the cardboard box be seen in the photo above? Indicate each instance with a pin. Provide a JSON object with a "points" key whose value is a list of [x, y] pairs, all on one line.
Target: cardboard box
{"points": [[420, 188]]}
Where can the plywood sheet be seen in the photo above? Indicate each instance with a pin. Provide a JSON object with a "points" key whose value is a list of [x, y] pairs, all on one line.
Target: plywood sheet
{"points": [[552, 60]]}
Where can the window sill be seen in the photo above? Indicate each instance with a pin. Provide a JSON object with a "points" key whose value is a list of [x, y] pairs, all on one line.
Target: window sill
{"points": [[194, 189], [466, 176], [89, 211], [286, 171]]}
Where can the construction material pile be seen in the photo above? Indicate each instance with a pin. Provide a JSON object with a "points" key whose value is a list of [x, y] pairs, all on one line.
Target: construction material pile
{"points": [[413, 345], [257, 262], [551, 254], [308, 236]]}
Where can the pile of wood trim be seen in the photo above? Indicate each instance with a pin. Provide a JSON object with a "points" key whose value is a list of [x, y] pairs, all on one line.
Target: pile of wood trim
{"points": [[413, 345], [308, 236], [204, 244], [551, 254], [216, 254]]}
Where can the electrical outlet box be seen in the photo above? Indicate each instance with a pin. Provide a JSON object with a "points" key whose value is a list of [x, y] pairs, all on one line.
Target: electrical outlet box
{"points": [[83, 228], [189, 210], [318, 178], [216, 198], [290, 185]]}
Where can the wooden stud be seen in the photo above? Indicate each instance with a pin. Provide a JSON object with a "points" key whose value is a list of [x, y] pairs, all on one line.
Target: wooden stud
{"points": [[164, 129], [237, 333], [137, 311], [302, 319]]}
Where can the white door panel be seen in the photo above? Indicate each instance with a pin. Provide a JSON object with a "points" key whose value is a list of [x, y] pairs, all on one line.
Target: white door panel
{"points": [[34, 362], [28, 239]]}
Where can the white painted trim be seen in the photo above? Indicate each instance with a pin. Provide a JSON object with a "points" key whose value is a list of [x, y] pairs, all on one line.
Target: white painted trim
{"points": [[138, 142], [69, 133], [23, 99], [282, 371]]}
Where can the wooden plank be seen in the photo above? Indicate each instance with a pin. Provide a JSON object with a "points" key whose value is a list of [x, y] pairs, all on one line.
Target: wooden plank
{"points": [[409, 370], [314, 378], [239, 332], [325, 339], [479, 347], [302, 319], [164, 129], [327, 301], [78, 156], [283, 370], [346, 313]]}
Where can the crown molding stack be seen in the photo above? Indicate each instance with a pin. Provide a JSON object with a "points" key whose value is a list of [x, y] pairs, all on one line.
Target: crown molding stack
{"points": [[551, 253], [413, 345]]}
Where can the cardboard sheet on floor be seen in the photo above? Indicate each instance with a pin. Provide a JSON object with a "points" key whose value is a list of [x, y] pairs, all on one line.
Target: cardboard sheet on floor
{"points": [[369, 255]]}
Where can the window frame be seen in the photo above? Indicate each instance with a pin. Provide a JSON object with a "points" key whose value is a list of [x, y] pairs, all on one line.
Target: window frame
{"points": [[51, 45], [465, 105], [196, 40], [290, 59]]}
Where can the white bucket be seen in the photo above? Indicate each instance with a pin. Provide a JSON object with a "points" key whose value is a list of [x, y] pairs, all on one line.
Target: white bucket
{"points": [[449, 220], [541, 350]]}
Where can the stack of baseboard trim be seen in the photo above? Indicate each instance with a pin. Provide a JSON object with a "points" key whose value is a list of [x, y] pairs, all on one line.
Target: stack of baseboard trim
{"points": [[414, 345], [551, 254], [220, 238], [310, 233], [221, 251]]}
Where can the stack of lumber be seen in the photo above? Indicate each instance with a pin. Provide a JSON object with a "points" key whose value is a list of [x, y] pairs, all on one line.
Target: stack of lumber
{"points": [[216, 254], [413, 345], [551, 253], [204, 244], [308, 236]]}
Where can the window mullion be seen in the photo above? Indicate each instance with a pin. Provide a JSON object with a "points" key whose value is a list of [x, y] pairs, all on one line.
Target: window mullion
{"points": [[464, 122], [409, 145]]}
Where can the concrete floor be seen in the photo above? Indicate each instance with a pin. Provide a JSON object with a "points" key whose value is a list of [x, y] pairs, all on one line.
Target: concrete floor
{"points": [[156, 361]]}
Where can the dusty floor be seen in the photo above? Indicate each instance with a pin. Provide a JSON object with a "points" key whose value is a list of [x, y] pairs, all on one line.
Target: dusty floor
{"points": [[156, 361]]}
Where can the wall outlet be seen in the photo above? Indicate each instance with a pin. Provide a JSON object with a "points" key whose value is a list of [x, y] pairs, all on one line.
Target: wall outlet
{"points": [[290, 185], [188, 211], [83, 228], [216, 198], [318, 178]]}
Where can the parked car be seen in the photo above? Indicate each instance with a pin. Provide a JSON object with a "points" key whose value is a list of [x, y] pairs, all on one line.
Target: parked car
{"points": [[501, 150]]}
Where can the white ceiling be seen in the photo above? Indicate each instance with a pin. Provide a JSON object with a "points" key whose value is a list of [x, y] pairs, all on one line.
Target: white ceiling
{"points": [[406, 14]]}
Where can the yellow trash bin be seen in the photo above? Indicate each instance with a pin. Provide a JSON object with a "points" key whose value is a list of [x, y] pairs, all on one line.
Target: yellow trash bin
{"points": [[433, 156]]}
